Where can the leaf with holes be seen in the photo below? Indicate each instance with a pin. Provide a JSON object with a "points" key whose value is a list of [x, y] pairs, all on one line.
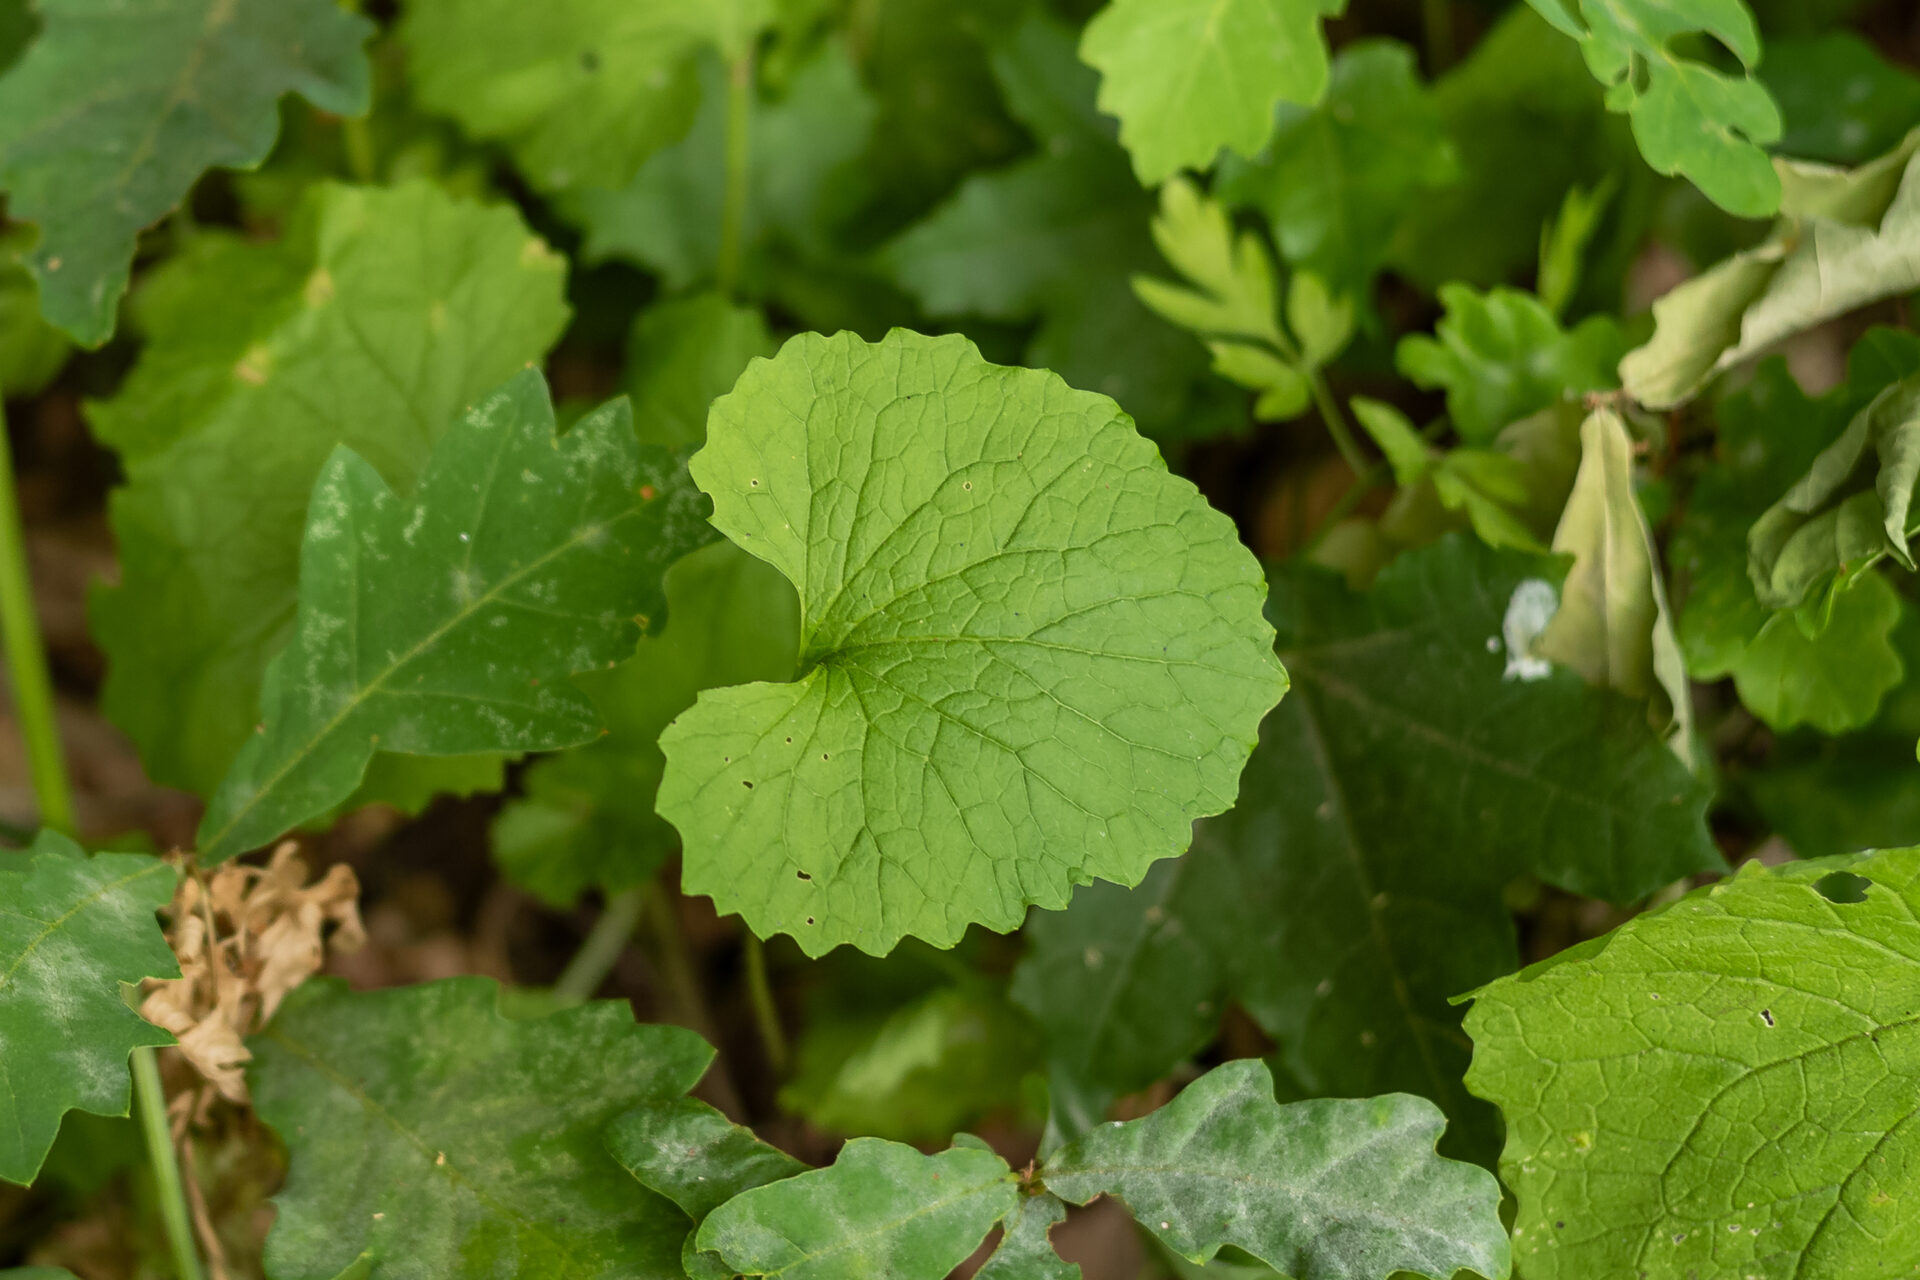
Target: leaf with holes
{"points": [[1031, 657], [447, 623], [72, 929], [110, 116], [1725, 1086]]}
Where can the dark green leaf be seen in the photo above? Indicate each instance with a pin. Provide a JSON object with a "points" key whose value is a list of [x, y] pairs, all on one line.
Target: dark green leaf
{"points": [[1843, 103], [446, 623], [682, 356]]}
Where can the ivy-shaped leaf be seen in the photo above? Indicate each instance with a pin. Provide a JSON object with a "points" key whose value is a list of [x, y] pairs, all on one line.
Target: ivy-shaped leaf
{"points": [[109, 118], [1358, 884], [1726, 1086], [72, 929], [1688, 117], [1501, 356], [581, 91], [1321, 1190], [881, 1209], [1031, 656], [447, 622], [1189, 77], [474, 1140], [378, 317], [1844, 240]]}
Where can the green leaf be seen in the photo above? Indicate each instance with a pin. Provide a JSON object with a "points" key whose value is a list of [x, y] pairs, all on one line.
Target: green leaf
{"points": [[371, 325], [1488, 487], [1031, 657], [803, 176], [72, 929], [586, 819], [1358, 884], [1688, 117], [474, 1140], [1725, 1086], [109, 118], [1841, 243], [1025, 1252], [1501, 356], [1319, 1189], [1336, 181], [1850, 510], [1564, 242], [580, 91], [1613, 625], [881, 1209], [1321, 321], [1843, 103], [1188, 77], [446, 623], [682, 355], [31, 350], [1835, 680], [1055, 237], [36, 1273]]}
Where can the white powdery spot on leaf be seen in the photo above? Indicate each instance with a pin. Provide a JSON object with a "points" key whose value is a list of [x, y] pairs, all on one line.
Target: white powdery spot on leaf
{"points": [[1529, 610]]}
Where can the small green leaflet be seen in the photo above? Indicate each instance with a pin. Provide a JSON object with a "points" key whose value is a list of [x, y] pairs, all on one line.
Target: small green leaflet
{"points": [[377, 318], [1188, 77], [1488, 486], [1501, 356], [881, 1209], [1030, 656], [72, 929], [109, 118], [446, 623], [1723, 1087], [1843, 241], [581, 91], [1688, 117], [1321, 1190], [1025, 1252], [474, 1139]]}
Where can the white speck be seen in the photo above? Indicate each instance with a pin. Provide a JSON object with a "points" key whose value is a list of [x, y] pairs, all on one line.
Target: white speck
{"points": [[1532, 607], [1493, 644], [465, 538]]}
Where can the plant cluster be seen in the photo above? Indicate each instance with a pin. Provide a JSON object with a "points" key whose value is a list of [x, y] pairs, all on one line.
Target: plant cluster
{"points": [[1152, 555]]}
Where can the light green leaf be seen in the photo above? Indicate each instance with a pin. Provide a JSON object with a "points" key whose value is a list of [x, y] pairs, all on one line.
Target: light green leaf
{"points": [[1486, 486], [881, 1209], [1358, 884], [1501, 356], [581, 91], [379, 317], [1055, 237], [1025, 1252], [804, 175], [1843, 241], [1188, 77], [1688, 117], [1031, 657], [72, 929], [682, 355], [1234, 292], [1563, 248], [1336, 181], [1850, 510], [1723, 1087], [1410, 456], [1613, 625], [110, 117], [586, 818], [447, 622], [474, 1139], [1322, 322], [1835, 680], [1324, 1189]]}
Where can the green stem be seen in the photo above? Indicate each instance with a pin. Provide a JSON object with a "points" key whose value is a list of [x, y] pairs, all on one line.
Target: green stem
{"points": [[689, 1002], [766, 1016], [152, 1107], [1436, 17], [1337, 426], [356, 137], [733, 213], [601, 950]]}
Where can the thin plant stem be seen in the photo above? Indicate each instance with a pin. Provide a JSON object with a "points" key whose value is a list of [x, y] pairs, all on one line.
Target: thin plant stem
{"points": [[1436, 17], [733, 212], [1337, 426], [33, 708], [356, 138], [766, 1016], [601, 949], [677, 974]]}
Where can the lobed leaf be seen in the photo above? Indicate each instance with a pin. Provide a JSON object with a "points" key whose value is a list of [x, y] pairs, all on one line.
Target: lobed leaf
{"points": [[1725, 1086], [1026, 1252], [474, 1139], [72, 930], [1323, 1189], [110, 116], [881, 1209], [1030, 656], [446, 623]]}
